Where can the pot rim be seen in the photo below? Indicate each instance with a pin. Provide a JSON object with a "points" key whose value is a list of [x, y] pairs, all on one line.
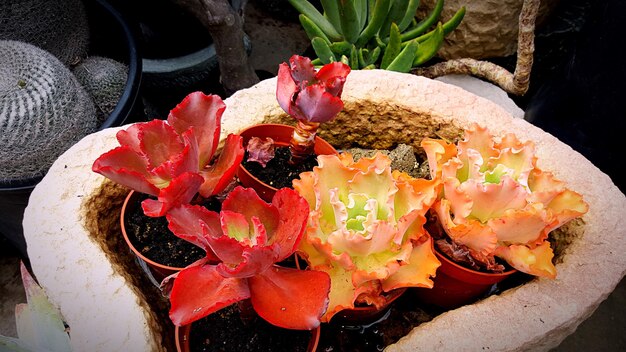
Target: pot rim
{"points": [[133, 194], [443, 257], [248, 130]]}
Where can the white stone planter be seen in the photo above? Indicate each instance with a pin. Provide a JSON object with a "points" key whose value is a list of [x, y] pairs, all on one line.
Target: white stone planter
{"points": [[71, 217]]}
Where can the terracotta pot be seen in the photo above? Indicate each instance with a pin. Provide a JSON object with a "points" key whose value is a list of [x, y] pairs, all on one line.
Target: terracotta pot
{"points": [[281, 134], [182, 333], [368, 314], [456, 285], [156, 270]]}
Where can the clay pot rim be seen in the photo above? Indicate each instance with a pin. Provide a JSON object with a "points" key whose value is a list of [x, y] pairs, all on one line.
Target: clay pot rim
{"points": [[443, 257], [243, 132], [133, 194]]}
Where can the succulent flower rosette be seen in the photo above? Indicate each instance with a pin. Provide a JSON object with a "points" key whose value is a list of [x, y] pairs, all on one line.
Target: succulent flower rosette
{"points": [[496, 202], [365, 228], [311, 97], [173, 159], [243, 245]]}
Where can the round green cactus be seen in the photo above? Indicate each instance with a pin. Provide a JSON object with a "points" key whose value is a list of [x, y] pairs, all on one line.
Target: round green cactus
{"points": [[59, 27], [104, 79], [43, 110]]}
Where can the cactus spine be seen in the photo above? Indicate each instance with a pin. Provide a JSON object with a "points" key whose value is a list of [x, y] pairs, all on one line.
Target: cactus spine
{"points": [[43, 110]]}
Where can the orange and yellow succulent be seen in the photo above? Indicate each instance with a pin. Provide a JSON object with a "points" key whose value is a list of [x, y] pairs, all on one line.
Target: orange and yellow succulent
{"points": [[496, 202]]}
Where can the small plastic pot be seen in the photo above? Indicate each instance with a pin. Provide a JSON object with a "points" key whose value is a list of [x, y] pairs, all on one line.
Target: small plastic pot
{"points": [[368, 314], [456, 285], [156, 270], [181, 337], [281, 134]]}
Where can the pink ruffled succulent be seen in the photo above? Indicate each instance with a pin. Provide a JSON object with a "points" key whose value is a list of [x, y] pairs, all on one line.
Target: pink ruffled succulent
{"points": [[496, 202], [311, 97], [171, 159], [366, 228], [243, 244]]}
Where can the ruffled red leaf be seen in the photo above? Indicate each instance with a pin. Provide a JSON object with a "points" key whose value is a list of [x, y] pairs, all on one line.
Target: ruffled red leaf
{"points": [[247, 202], [130, 137], [253, 261], [219, 175], [302, 70], [285, 87], [188, 222], [159, 142], [317, 105], [200, 290], [181, 190], [290, 298], [333, 76], [293, 213], [204, 114], [261, 150], [127, 168]]}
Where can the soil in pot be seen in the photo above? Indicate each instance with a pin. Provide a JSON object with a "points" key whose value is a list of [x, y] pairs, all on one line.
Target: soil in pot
{"points": [[154, 240], [405, 314], [225, 331], [278, 173]]}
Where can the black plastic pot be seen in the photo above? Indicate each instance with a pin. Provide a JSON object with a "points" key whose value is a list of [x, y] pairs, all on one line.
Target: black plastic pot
{"points": [[110, 36]]}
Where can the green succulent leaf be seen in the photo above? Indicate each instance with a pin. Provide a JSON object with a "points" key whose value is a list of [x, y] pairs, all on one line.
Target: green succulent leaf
{"points": [[395, 15], [331, 12], [425, 24], [361, 7], [306, 8], [341, 48], [10, 344], [429, 47], [311, 29], [354, 58], [322, 50], [39, 324], [363, 56], [317, 62], [409, 15], [393, 48], [448, 27], [344, 59], [374, 55], [404, 61], [380, 11], [349, 21]]}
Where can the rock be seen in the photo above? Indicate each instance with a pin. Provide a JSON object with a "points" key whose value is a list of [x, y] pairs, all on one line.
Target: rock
{"points": [[65, 224], [486, 90], [489, 28], [402, 158]]}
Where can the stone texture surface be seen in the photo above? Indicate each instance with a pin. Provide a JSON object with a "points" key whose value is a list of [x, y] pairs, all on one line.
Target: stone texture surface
{"points": [[489, 28], [382, 109], [486, 90], [104, 312]]}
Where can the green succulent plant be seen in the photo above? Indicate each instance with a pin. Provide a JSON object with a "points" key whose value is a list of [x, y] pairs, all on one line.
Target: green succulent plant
{"points": [[368, 34], [40, 325]]}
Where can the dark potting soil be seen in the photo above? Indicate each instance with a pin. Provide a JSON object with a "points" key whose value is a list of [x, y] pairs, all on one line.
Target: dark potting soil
{"points": [[278, 173], [224, 331], [155, 241], [404, 315]]}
